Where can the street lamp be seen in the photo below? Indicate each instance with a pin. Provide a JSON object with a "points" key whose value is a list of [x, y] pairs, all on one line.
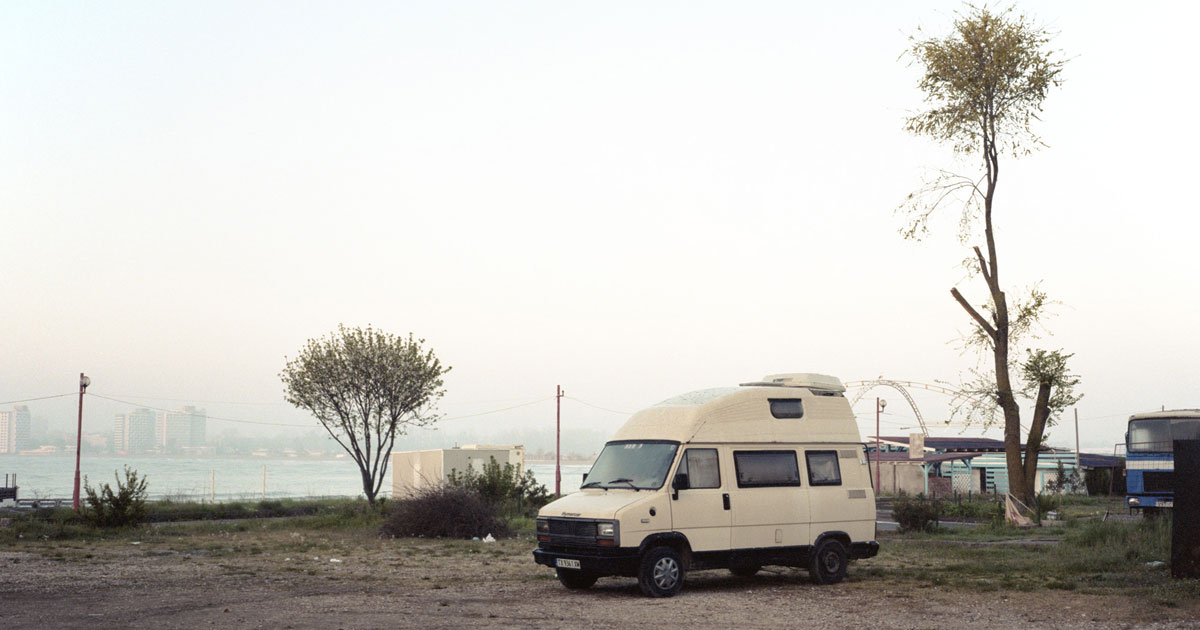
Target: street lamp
{"points": [[83, 384], [879, 405]]}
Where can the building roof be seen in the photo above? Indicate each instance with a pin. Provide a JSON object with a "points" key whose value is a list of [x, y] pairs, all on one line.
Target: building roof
{"points": [[947, 444], [1091, 460], [929, 458]]}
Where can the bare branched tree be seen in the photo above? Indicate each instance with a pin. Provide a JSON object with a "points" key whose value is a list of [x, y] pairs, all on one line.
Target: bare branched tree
{"points": [[984, 86], [366, 387]]}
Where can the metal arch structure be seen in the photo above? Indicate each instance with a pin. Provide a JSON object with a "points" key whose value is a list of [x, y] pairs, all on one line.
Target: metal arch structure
{"points": [[899, 386]]}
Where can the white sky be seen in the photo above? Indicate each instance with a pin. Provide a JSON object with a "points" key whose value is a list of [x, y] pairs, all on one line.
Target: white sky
{"points": [[631, 199]]}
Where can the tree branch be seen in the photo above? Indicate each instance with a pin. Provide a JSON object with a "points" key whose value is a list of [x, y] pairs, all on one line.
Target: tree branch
{"points": [[983, 323]]}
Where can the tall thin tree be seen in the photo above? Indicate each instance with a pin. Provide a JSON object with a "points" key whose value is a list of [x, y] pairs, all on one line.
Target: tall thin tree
{"points": [[984, 87]]}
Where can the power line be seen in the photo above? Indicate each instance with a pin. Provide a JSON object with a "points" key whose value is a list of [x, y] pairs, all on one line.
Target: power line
{"points": [[484, 413], [623, 413], [13, 402], [272, 424]]}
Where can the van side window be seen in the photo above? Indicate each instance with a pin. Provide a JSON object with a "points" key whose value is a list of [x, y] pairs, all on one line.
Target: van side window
{"points": [[700, 465], [757, 469], [786, 407], [823, 468]]}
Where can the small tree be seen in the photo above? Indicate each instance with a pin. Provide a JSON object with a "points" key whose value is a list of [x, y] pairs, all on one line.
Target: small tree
{"points": [[985, 85], [366, 387]]}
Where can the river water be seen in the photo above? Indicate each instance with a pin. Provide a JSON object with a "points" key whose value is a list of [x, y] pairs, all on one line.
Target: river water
{"points": [[193, 479]]}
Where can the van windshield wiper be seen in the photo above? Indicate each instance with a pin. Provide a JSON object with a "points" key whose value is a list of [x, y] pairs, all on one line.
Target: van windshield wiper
{"points": [[591, 484], [625, 480]]}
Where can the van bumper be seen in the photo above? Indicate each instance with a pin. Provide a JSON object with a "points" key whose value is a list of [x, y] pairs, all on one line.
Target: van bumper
{"points": [[617, 561], [861, 550]]}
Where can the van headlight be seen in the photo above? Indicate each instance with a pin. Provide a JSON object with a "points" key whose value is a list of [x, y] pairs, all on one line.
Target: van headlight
{"points": [[606, 529], [543, 526]]}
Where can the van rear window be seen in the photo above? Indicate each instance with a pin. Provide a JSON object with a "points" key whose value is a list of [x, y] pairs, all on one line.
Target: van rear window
{"points": [[823, 468], [760, 469]]}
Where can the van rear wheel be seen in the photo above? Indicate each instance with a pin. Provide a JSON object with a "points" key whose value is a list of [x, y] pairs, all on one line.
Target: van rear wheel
{"points": [[828, 563], [661, 572], [576, 580]]}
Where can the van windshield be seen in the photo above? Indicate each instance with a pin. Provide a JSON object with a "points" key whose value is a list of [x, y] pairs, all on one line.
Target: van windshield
{"points": [[629, 464]]}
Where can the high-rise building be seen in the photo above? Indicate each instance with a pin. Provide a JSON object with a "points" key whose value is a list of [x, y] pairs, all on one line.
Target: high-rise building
{"points": [[140, 431], [198, 425], [120, 439], [182, 429], [22, 423], [7, 432]]}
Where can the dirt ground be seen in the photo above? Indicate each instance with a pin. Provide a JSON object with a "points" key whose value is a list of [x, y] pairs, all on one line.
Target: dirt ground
{"points": [[280, 579]]}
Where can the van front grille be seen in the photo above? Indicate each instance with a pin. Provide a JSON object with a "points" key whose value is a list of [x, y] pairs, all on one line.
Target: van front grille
{"points": [[573, 528]]}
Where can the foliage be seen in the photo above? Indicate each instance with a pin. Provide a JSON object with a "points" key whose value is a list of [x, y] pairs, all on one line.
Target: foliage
{"points": [[984, 86], [366, 387], [1104, 481], [503, 486], [980, 508], [126, 506], [1063, 482], [170, 511], [916, 514], [1107, 545], [444, 512]]}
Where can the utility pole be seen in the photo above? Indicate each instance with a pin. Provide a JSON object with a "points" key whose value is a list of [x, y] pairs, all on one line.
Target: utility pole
{"points": [[558, 394], [879, 405], [1077, 442], [83, 383]]}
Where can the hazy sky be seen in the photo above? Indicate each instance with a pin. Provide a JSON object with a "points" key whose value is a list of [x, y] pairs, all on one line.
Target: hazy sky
{"points": [[631, 199]]}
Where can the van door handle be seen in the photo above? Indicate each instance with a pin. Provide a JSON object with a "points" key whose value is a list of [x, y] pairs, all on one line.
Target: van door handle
{"points": [[725, 499]]}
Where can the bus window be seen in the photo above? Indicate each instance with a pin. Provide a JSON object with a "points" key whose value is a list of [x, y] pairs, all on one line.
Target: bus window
{"points": [[1152, 435]]}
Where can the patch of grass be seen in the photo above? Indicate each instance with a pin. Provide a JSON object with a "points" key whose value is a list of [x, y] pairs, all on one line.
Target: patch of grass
{"points": [[1103, 558]]}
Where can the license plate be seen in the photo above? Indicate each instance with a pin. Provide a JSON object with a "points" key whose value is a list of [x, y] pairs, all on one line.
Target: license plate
{"points": [[566, 563], [1166, 504]]}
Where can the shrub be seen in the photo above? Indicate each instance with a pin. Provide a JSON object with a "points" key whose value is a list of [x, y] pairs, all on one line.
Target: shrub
{"points": [[444, 512], [126, 506], [916, 514], [503, 486]]}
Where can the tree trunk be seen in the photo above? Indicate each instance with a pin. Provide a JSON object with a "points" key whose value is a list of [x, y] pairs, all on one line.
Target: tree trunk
{"points": [[1041, 413], [368, 486]]}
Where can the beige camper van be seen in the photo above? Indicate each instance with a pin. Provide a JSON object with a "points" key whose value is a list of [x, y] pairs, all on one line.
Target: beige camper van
{"points": [[766, 473]]}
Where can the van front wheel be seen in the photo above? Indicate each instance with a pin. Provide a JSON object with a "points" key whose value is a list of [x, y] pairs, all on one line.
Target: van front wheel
{"points": [[828, 563], [661, 572]]}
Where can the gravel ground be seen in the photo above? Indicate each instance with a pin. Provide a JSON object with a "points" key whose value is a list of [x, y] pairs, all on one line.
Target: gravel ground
{"points": [[290, 580]]}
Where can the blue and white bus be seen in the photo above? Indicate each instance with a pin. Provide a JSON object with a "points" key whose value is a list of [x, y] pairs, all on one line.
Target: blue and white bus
{"points": [[1149, 456]]}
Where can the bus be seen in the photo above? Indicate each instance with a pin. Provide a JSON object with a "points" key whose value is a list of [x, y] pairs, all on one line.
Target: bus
{"points": [[1149, 456]]}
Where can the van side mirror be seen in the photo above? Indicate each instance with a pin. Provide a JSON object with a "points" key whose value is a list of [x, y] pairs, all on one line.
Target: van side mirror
{"points": [[680, 482]]}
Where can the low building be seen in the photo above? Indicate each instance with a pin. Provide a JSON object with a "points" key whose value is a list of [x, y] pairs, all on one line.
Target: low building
{"points": [[940, 466], [414, 470]]}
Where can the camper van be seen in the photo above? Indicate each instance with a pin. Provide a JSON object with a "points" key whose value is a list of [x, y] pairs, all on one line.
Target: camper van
{"points": [[771, 472]]}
